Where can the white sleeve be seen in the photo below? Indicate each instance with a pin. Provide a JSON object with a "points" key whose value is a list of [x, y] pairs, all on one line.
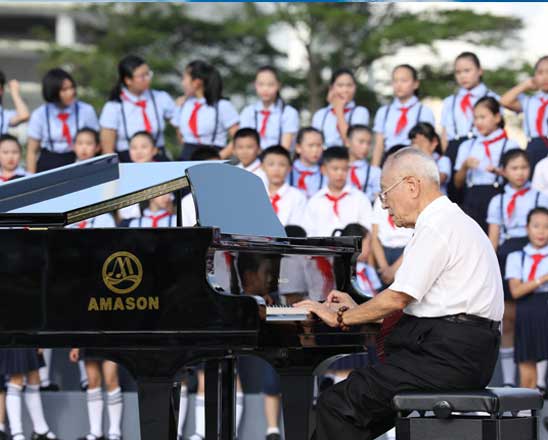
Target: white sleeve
{"points": [[424, 259], [513, 266], [296, 214], [493, 211], [540, 176]]}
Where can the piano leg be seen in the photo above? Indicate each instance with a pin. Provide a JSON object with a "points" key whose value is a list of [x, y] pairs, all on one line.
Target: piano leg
{"points": [[155, 417], [297, 391], [220, 399]]}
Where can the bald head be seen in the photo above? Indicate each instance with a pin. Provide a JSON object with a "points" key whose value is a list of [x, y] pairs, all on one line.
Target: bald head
{"points": [[413, 162]]}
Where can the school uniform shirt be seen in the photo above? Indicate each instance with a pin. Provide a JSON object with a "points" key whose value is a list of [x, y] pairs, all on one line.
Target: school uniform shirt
{"points": [[101, 221], [255, 168], [289, 204], [366, 178], [509, 210], [519, 265], [271, 123], [540, 176], [19, 172], [5, 118], [390, 235], [535, 114], [325, 120], [444, 167], [488, 150], [450, 266], [200, 123], [308, 179], [56, 128], [158, 219], [395, 120], [188, 211], [147, 112], [311, 276], [324, 213], [368, 280], [457, 114]]}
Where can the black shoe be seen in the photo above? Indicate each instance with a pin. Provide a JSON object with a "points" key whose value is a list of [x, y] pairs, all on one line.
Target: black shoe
{"points": [[36, 436], [273, 437], [85, 437], [50, 387], [3, 435]]}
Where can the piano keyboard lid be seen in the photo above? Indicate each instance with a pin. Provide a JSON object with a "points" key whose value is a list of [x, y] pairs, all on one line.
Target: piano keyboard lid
{"points": [[86, 189]]}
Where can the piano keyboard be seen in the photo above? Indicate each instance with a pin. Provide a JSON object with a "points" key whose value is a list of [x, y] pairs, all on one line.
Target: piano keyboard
{"points": [[286, 313]]}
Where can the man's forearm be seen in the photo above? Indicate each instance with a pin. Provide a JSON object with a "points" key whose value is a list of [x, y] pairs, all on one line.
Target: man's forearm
{"points": [[382, 305]]}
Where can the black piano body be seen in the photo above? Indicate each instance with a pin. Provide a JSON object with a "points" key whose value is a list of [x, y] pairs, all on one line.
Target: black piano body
{"points": [[157, 300]]}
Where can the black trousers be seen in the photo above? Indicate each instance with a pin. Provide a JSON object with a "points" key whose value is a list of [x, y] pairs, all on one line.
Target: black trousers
{"points": [[423, 354]]}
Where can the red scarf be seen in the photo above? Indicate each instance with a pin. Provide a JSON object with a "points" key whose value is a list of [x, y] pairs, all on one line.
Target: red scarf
{"points": [[540, 115], [142, 104], [512, 204], [335, 201], [274, 200], [537, 258], [63, 117], [266, 115], [193, 121], [156, 218], [488, 142]]}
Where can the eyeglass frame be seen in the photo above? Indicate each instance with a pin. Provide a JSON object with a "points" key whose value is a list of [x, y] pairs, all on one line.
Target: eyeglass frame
{"points": [[149, 75], [382, 194]]}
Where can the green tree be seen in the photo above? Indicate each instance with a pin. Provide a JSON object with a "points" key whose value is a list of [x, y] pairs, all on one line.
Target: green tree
{"points": [[357, 34]]}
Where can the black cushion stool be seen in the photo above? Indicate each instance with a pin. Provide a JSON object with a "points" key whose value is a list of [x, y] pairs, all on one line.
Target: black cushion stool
{"points": [[444, 425]]}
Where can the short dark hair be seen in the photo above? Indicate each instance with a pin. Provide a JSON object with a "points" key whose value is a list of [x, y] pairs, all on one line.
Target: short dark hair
{"points": [[248, 132], [205, 153], [8, 137], [339, 72], [354, 230], [513, 154], [90, 131], [357, 127], [410, 68], [52, 83], [537, 210], [471, 56], [429, 132], [540, 60], [295, 231], [144, 134], [305, 130], [335, 153], [492, 105], [275, 149]]}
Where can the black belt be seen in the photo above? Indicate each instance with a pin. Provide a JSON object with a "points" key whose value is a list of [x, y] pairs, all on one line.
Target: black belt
{"points": [[478, 321]]}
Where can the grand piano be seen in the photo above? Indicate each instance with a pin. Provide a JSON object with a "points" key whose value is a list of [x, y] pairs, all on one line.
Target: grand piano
{"points": [[159, 300]]}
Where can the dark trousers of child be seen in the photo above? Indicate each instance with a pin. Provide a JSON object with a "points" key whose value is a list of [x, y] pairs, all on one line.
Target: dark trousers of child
{"points": [[423, 354]]}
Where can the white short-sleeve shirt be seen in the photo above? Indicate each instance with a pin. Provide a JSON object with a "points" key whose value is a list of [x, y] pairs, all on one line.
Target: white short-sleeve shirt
{"points": [[213, 121], [531, 106], [101, 221], [255, 168], [290, 204], [387, 117], [540, 176], [281, 119], [5, 119], [325, 120], [390, 235], [320, 218], [46, 127], [457, 117], [519, 263], [127, 118], [450, 266]]}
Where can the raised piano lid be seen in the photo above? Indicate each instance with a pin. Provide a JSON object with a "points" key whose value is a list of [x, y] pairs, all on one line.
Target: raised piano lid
{"points": [[86, 189], [233, 200]]}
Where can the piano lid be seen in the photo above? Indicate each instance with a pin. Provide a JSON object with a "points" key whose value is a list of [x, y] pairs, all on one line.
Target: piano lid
{"points": [[86, 189], [233, 200]]}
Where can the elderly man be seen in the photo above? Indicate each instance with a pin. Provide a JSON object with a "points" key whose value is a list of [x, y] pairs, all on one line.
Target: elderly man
{"points": [[450, 289]]}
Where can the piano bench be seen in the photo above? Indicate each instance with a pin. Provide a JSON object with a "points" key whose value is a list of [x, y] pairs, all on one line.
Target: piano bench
{"points": [[451, 418]]}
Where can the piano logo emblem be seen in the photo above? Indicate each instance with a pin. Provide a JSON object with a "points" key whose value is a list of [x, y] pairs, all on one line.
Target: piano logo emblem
{"points": [[122, 272]]}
